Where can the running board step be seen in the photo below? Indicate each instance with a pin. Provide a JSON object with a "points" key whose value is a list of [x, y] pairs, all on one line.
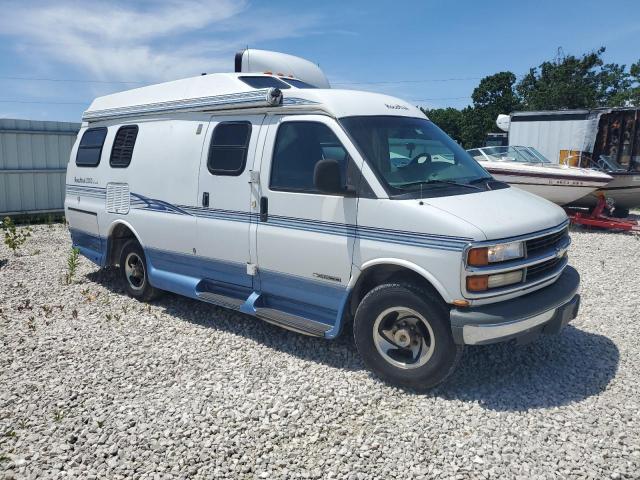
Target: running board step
{"points": [[224, 295], [292, 322], [220, 300], [246, 300]]}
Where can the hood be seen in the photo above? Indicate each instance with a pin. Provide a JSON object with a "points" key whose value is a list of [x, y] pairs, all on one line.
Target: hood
{"points": [[502, 213]]}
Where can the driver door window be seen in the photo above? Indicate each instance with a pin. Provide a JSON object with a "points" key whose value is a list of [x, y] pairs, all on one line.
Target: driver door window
{"points": [[299, 147]]}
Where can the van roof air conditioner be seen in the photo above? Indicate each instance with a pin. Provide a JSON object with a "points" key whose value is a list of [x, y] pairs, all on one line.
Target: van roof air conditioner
{"points": [[280, 64]]}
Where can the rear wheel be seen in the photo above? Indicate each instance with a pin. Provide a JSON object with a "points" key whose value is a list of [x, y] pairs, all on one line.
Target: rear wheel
{"points": [[404, 336], [133, 269]]}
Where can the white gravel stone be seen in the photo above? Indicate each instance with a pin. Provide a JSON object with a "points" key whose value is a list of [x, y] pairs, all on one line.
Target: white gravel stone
{"points": [[94, 384]]}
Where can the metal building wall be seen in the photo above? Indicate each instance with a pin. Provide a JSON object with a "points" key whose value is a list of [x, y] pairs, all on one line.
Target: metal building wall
{"points": [[33, 162]]}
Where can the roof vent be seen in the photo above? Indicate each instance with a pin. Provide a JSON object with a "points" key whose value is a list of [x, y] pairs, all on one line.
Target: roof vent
{"points": [[262, 61]]}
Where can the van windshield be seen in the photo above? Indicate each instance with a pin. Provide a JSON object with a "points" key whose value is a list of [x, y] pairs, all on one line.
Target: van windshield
{"points": [[414, 158]]}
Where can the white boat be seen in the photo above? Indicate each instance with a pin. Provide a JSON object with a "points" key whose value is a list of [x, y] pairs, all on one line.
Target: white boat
{"points": [[528, 169]]}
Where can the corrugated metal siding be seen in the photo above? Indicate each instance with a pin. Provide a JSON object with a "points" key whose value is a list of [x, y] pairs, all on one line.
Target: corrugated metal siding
{"points": [[33, 162]]}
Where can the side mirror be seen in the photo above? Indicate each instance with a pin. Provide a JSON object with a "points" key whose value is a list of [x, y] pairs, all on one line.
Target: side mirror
{"points": [[326, 177]]}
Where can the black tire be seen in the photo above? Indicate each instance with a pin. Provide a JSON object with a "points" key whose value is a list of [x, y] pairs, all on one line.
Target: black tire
{"points": [[444, 356], [137, 285]]}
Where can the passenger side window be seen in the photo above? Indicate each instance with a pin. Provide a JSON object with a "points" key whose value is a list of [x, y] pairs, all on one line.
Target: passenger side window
{"points": [[228, 149], [90, 148], [123, 144], [299, 146]]}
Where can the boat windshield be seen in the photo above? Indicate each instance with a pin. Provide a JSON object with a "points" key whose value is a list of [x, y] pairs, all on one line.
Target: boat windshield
{"points": [[508, 154], [413, 156], [541, 158], [608, 163]]}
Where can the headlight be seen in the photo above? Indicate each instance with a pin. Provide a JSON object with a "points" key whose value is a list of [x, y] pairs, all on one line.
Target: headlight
{"points": [[501, 252], [480, 283]]}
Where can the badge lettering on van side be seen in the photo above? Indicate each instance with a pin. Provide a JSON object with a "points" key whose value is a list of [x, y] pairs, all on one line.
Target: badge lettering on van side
{"points": [[396, 107], [327, 277], [89, 180]]}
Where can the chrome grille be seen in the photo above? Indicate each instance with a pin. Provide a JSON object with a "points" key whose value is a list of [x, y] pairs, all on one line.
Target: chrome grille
{"points": [[537, 245], [545, 259], [540, 270]]}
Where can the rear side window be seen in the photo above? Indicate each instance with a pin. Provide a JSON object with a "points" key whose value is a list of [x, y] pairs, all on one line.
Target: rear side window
{"points": [[229, 146], [264, 82], [297, 83], [90, 148], [123, 144], [299, 146]]}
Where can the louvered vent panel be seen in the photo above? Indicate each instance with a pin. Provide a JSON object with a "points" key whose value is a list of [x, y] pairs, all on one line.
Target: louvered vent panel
{"points": [[123, 144], [118, 198]]}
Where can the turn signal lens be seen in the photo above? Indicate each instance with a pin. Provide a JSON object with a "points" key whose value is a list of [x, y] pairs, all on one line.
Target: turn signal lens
{"points": [[460, 303], [478, 257], [478, 283], [503, 279]]}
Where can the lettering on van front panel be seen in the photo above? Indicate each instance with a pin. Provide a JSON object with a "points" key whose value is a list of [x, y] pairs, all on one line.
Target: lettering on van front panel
{"points": [[89, 180], [396, 107], [327, 277]]}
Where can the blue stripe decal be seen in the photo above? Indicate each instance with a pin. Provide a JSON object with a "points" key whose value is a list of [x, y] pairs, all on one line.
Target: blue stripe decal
{"points": [[145, 203], [362, 232]]}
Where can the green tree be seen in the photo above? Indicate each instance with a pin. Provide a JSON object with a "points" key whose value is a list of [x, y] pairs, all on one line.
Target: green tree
{"points": [[448, 119], [571, 82], [614, 86], [474, 127], [495, 94], [634, 91]]}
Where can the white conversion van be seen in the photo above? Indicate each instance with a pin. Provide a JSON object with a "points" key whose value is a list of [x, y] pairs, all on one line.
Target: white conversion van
{"points": [[312, 208]]}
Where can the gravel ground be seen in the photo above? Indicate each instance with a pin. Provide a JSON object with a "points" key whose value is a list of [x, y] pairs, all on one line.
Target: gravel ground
{"points": [[96, 385]]}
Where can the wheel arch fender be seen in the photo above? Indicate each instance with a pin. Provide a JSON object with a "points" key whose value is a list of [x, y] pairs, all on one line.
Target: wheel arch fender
{"points": [[114, 243], [405, 264], [360, 284]]}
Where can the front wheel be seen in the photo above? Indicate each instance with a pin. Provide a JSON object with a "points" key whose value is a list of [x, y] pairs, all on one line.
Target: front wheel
{"points": [[403, 335], [133, 270]]}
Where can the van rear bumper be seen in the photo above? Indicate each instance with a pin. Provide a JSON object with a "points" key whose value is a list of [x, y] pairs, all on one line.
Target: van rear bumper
{"points": [[522, 318]]}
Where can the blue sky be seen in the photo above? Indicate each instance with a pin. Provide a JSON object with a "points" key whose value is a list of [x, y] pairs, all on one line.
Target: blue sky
{"points": [[431, 52]]}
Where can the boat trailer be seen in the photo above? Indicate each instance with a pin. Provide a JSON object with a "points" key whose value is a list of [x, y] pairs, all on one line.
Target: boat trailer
{"points": [[599, 218]]}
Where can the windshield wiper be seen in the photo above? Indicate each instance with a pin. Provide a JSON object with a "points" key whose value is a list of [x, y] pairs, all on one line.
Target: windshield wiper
{"points": [[481, 179], [438, 182]]}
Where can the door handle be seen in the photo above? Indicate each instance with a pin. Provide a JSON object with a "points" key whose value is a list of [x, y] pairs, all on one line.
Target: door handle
{"points": [[264, 209], [205, 199]]}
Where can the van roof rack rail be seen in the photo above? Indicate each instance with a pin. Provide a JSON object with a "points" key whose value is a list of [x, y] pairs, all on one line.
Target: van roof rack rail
{"points": [[265, 97]]}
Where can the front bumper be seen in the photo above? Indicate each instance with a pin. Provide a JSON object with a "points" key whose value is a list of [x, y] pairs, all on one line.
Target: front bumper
{"points": [[543, 311]]}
